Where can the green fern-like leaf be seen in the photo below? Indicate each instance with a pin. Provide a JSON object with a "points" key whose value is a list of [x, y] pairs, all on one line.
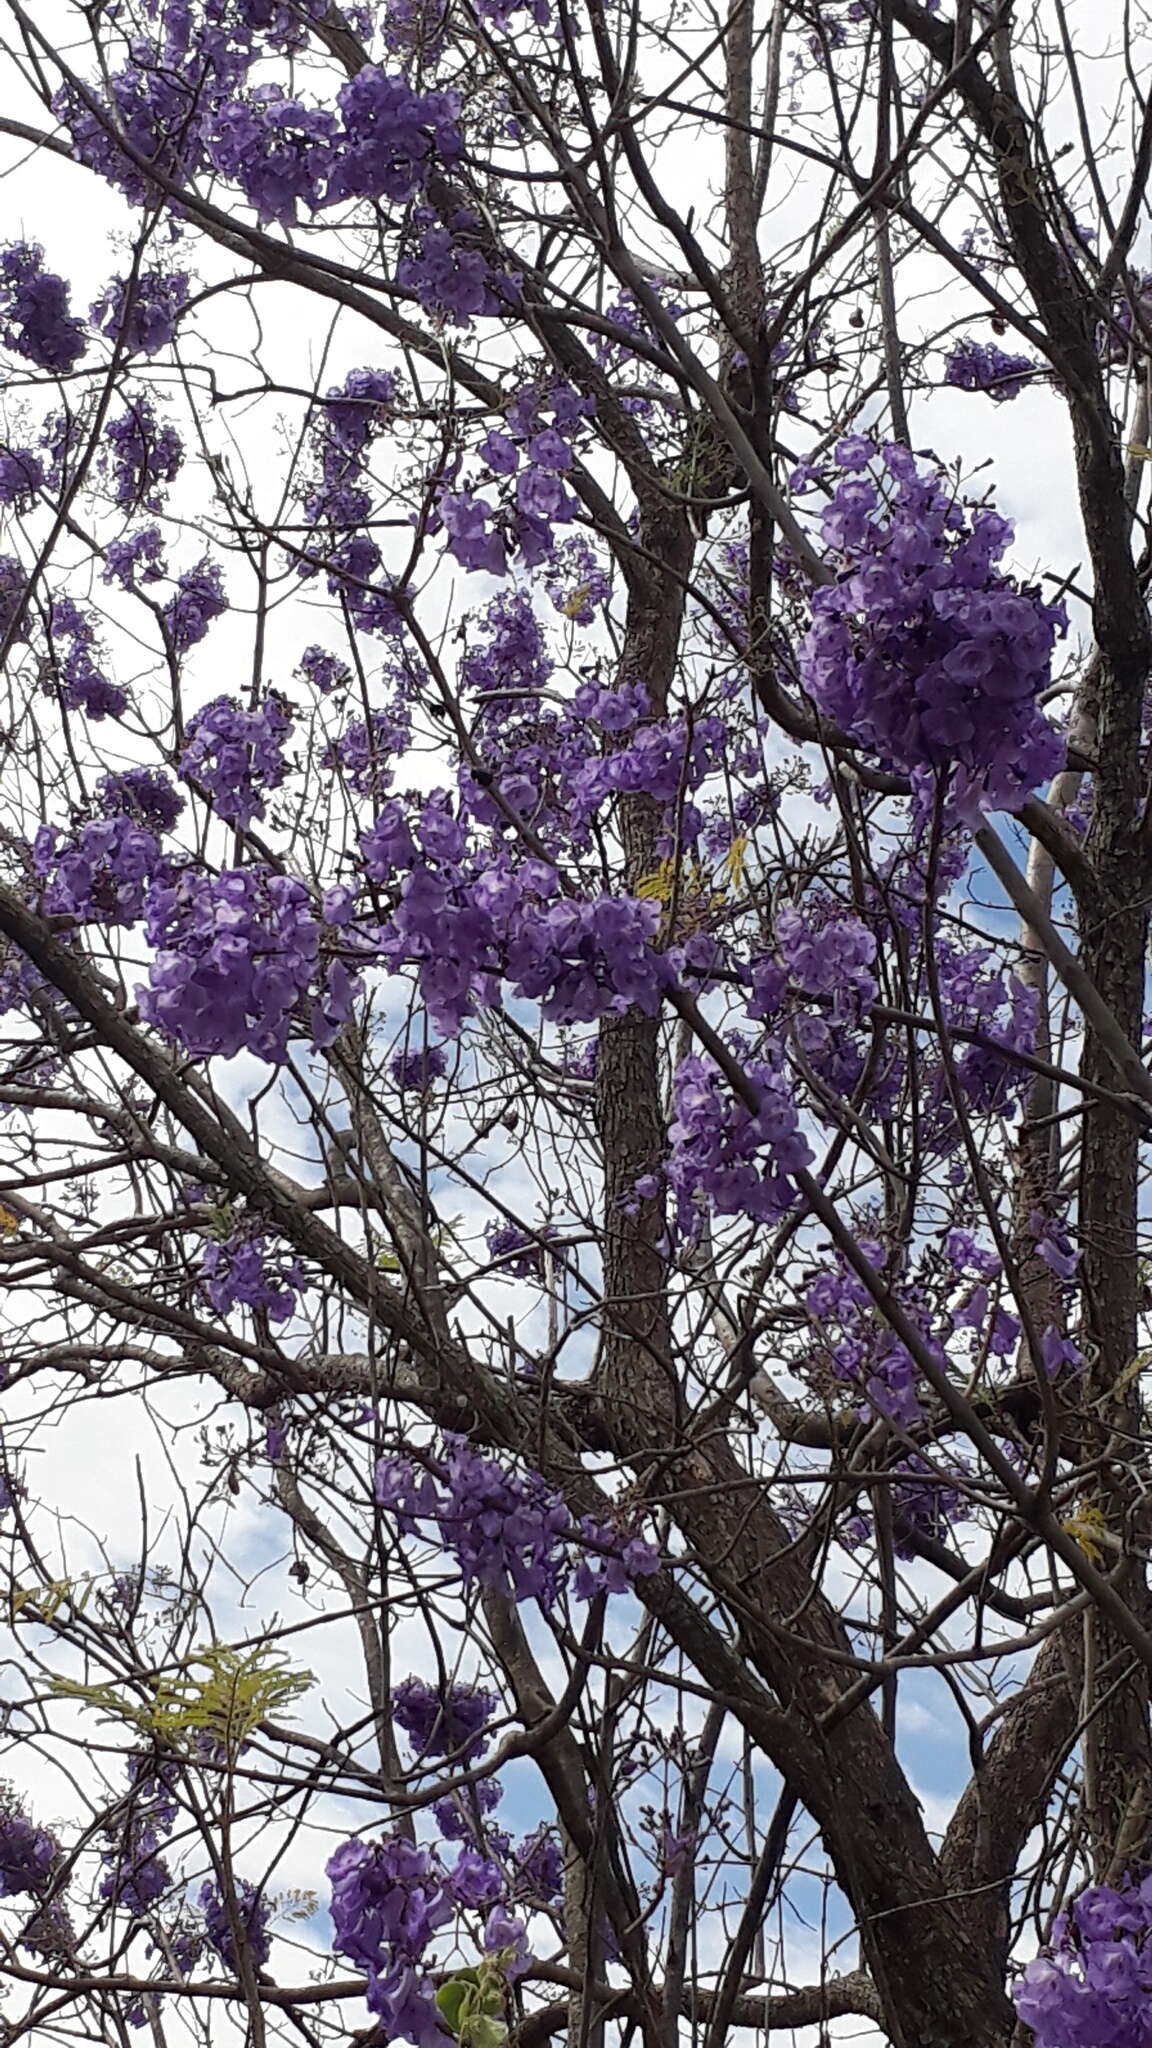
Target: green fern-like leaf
{"points": [[219, 1693], [225, 1694]]}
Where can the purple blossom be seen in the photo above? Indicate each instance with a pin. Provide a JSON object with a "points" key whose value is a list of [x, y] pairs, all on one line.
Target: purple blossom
{"points": [[981, 366], [467, 521], [159, 109], [139, 555], [142, 455], [612, 1562], [28, 1854], [324, 670], [351, 415], [443, 1721], [455, 1818], [1059, 1351], [475, 1881], [251, 1911], [34, 311], [501, 455], [141, 315], [414, 1070], [724, 1156], [507, 1937], [279, 151], [388, 1900], [506, 1529], [1094, 1988], [513, 655], [923, 650], [238, 1271], [235, 955], [21, 475], [832, 958], [538, 1869], [518, 1251], [197, 600], [449, 279], [1054, 1246], [577, 583], [862, 1352], [237, 755], [135, 1874], [364, 753], [391, 137], [85, 687], [103, 875]]}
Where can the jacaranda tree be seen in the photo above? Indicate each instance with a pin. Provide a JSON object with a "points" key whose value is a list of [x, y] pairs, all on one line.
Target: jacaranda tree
{"points": [[574, 908]]}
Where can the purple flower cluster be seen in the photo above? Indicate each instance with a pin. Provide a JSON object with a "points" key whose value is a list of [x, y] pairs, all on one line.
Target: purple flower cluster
{"points": [[610, 1562], [251, 1911], [28, 1854], [443, 1720], [974, 994], [581, 960], [192, 112], [136, 1875], [236, 953], [981, 366], [142, 455], [414, 30], [464, 922], [723, 1156], [324, 670], [414, 1070], [85, 685], [363, 754], [388, 1900], [102, 877], [456, 1815], [862, 1352], [664, 758], [156, 108], [448, 275], [86, 688], [141, 314], [236, 755], [473, 541], [513, 654], [276, 149], [21, 476], [479, 534], [392, 136], [144, 794], [577, 583], [833, 957], [13, 599], [1094, 1988], [238, 1271], [138, 555], [197, 599], [352, 415], [922, 649], [538, 1869], [507, 1530], [338, 503], [518, 1251], [34, 311]]}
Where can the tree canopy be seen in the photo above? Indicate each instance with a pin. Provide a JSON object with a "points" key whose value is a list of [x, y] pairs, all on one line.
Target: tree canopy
{"points": [[574, 883]]}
